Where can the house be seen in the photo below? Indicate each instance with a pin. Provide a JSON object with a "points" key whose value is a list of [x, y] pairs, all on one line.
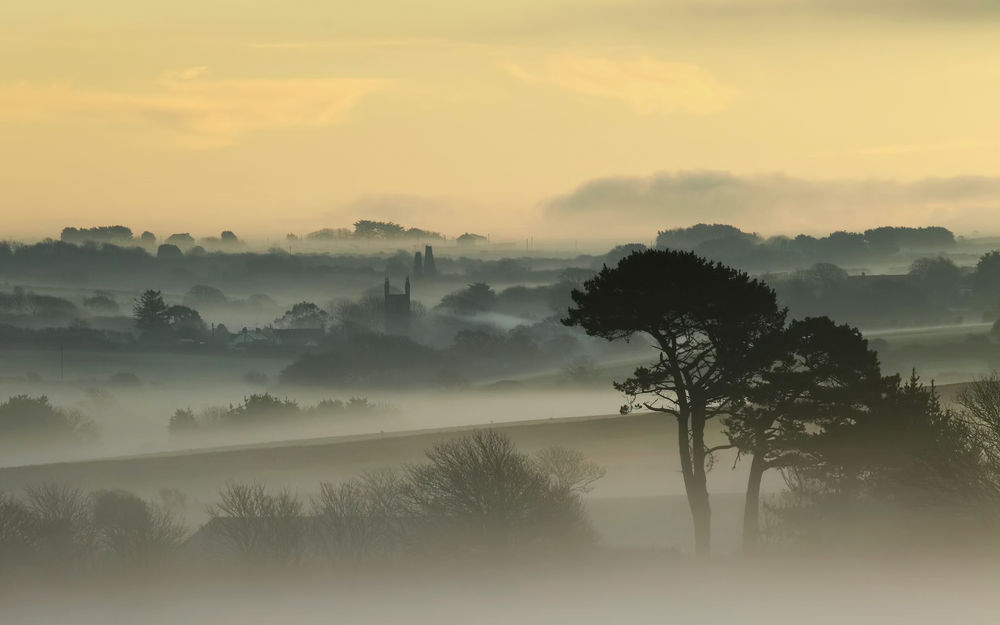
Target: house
{"points": [[248, 338], [298, 337]]}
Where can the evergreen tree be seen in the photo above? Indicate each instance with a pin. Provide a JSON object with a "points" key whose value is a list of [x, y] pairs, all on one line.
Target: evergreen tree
{"points": [[150, 312]]}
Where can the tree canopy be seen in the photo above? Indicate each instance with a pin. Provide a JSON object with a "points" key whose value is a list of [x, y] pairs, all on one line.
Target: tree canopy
{"points": [[707, 322]]}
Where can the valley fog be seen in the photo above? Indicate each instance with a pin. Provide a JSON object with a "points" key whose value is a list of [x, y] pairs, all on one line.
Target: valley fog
{"points": [[387, 424]]}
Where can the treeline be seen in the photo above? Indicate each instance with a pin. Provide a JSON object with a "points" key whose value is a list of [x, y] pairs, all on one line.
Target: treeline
{"points": [[367, 229], [933, 290], [275, 271], [474, 496], [266, 409], [351, 359], [731, 245], [806, 397], [122, 235]]}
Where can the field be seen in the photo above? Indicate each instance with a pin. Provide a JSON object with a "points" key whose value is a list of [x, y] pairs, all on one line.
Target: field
{"points": [[639, 503]]}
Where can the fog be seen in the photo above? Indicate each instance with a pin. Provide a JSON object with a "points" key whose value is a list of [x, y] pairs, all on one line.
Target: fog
{"points": [[783, 591], [422, 430]]}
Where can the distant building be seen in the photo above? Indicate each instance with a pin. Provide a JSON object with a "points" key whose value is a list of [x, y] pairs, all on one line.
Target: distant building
{"points": [[418, 266], [430, 267], [397, 309], [298, 337], [248, 338]]}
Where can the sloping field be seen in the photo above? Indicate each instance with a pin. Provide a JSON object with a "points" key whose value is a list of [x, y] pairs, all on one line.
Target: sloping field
{"points": [[638, 504], [633, 448]]}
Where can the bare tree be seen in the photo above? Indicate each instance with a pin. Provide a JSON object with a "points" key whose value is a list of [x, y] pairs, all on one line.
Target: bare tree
{"points": [[60, 522], [131, 528], [569, 469], [481, 489], [257, 524], [980, 404], [16, 537], [362, 517]]}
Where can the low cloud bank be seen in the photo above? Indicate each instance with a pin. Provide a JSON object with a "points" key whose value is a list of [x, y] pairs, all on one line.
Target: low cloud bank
{"points": [[774, 204]]}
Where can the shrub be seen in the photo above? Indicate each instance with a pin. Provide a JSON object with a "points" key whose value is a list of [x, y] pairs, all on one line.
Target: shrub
{"points": [[253, 523], [129, 527], [182, 422], [480, 491], [366, 516], [260, 406], [24, 417]]}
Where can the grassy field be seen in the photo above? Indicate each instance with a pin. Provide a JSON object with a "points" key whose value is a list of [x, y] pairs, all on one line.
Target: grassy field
{"points": [[639, 503]]}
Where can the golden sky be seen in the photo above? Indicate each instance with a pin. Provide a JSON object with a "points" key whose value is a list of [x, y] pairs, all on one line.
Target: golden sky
{"points": [[515, 118]]}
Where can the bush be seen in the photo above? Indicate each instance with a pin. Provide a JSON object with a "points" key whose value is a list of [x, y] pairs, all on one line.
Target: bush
{"points": [[59, 523], [130, 528], [182, 422], [253, 523], [366, 359], [261, 406], [124, 378], [24, 417], [569, 469], [363, 517], [480, 491]]}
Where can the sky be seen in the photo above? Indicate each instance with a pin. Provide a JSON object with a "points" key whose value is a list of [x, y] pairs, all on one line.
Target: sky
{"points": [[546, 118]]}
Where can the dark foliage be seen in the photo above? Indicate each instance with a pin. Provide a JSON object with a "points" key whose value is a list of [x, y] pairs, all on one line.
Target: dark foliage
{"points": [[707, 323], [33, 418], [822, 376], [366, 359], [480, 491]]}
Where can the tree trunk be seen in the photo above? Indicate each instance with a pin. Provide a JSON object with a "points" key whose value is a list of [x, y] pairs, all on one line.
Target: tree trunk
{"points": [[751, 509], [692, 455]]}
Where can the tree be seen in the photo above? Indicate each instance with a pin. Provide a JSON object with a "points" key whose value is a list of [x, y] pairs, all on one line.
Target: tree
{"points": [[23, 417], [102, 303], [202, 295], [16, 536], [151, 313], [129, 527], [986, 278], [169, 250], [569, 469], [303, 315], [480, 488], [255, 524], [939, 276], [259, 407], [980, 404], [368, 229], [181, 239], [182, 422], [706, 321], [821, 374], [185, 322], [363, 516], [367, 313], [619, 252], [477, 297], [909, 452], [61, 525]]}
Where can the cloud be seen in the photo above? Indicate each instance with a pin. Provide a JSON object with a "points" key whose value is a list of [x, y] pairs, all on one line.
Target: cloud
{"points": [[196, 111], [647, 85], [893, 9], [774, 203]]}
